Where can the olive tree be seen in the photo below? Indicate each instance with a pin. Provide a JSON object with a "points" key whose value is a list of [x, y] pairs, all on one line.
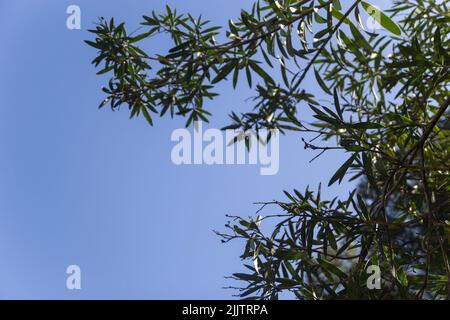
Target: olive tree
{"points": [[388, 93]]}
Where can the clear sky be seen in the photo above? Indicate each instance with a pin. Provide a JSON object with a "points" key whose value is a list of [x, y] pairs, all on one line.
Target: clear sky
{"points": [[89, 187]]}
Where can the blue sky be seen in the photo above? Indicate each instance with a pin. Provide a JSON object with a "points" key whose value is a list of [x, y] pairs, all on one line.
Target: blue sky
{"points": [[89, 187]]}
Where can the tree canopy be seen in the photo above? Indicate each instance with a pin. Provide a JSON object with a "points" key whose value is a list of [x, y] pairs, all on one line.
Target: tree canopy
{"points": [[388, 93]]}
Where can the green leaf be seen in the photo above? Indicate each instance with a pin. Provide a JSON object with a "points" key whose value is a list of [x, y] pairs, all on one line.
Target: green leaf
{"points": [[331, 238], [147, 115], [240, 231], [332, 268], [339, 16], [260, 71], [337, 4], [93, 44], [287, 282], [337, 105], [246, 277], [359, 38], [249, 76], [140, 36], [322, 84], [381, 18], [339, 175], [366, 125], [224, 71], [107, 69]]}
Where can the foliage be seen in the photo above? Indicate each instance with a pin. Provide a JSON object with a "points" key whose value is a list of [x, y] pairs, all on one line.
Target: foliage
{"points": [[389, 97]]}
